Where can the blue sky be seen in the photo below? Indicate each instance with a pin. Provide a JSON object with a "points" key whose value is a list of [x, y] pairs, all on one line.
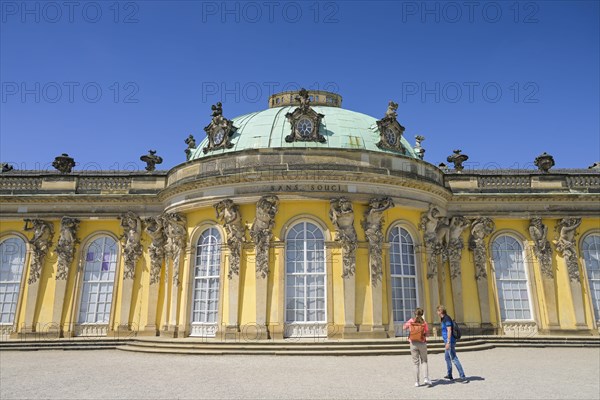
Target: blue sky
{"points": [[105, 81]]}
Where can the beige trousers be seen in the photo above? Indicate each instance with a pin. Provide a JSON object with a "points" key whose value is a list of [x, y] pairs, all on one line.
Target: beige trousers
{"points": [[418, 351]]}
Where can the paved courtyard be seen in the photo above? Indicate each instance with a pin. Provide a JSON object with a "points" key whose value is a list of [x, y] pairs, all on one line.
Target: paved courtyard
{"points": [[507, 373]]}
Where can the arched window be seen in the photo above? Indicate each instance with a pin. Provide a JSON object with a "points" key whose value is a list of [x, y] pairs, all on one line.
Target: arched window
{"points": [[12, 260], [403, 271], [511, 279], [205, 300], [591, 256], [98, 281], [305, 273]]}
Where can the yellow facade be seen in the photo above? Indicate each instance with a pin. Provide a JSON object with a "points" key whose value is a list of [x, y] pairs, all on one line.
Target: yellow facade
{"points": [[44, 313]]}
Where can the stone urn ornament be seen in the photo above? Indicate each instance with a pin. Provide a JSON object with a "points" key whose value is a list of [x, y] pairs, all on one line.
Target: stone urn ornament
{"points": [[457, 159], [64, 163], [6, 167], [544, 162], [151, 159]]}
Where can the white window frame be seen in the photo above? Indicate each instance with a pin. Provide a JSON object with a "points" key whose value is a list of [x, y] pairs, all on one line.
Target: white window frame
{"points": [[398, 325], [306, 328], [95, 328], [501, 307], [206, 328], [595, 303], [10, 327]]}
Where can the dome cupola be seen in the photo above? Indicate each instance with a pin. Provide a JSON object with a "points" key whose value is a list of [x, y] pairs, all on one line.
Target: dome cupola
{"points": [[311, 119]]}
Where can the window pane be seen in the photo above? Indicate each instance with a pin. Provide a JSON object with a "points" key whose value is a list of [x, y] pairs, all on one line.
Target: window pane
{"points": [[403, 274], [305, 274], [591, 257], [206, 277], [511, 278], [98, 280], [12, 260]]}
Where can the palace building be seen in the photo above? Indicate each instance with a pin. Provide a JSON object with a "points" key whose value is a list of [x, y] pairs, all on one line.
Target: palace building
{"points": [[301, 220]]}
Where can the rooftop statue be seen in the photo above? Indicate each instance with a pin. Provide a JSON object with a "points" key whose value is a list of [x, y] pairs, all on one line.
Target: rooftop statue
{"points": [[419, 151], [217, 109], [305, 121], [304, 99], [390, 130], [191, 142], [219, 131], [391, 111]]}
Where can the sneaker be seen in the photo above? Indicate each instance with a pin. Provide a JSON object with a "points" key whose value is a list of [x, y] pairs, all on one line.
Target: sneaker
{"points": [[417, 384], [464, 379], [448, 377], [427, 382]]}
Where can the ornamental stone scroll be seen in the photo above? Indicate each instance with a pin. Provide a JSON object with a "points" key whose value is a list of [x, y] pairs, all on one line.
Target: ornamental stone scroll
{"points": [[455, 244], [541, 246], [341, 214], [132, 246], [174, 225], [480, 229], [229, 214], [373, 226], [41, 241], [261, 232], [565, 245], [65, 248], [156, 249], [429, 224]]}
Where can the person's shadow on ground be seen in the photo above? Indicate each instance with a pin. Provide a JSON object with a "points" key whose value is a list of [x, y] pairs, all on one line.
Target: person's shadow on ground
{"points": [[436, 382]]}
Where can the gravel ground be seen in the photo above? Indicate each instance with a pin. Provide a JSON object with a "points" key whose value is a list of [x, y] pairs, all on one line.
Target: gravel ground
{"points": [[506, 373]]}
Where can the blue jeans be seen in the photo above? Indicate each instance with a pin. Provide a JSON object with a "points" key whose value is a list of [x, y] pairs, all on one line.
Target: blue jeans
{"points": [[451, 357]]}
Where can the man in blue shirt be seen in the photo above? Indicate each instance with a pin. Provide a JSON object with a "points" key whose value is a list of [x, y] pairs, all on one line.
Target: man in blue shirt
{"points": [[450, 341]]}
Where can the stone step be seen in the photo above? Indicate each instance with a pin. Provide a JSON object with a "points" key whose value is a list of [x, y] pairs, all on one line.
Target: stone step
{"points": [[540, 345], [38, 348], [319, 346], [266, 346], [61, 345], [288, 352]]}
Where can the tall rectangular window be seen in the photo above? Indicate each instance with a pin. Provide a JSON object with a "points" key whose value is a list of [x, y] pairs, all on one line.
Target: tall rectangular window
{"points": [[12, 260], [98, 281], [403, 272], [511, 279], [205, 301]]}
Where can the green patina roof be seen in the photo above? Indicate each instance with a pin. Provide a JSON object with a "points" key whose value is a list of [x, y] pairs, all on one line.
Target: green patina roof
{"points": [[343, 129]]}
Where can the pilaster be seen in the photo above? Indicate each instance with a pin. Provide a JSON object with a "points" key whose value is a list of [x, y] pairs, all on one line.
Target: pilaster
{"points": [[457, 297]]}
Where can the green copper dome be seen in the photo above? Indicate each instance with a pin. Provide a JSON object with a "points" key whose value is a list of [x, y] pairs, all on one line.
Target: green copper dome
{"points": [[342, 129]]}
